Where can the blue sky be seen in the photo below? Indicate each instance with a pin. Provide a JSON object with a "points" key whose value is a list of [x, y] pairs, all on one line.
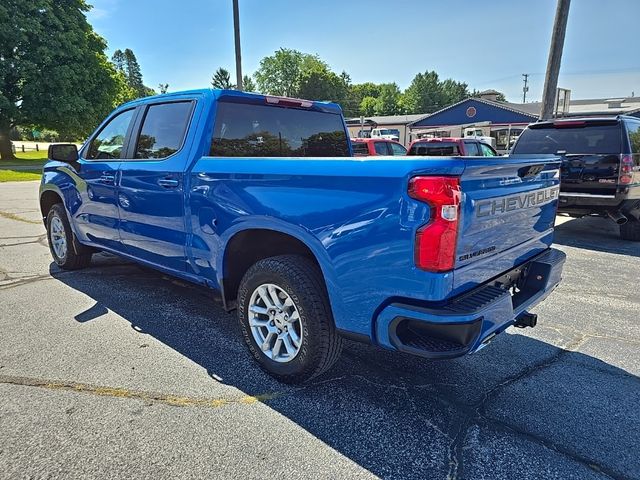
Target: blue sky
{"points": [[485, 44]]}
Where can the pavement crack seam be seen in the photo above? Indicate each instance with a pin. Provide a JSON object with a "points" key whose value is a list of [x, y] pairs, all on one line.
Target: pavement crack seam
{"points": [[114, 392], [17, 218]]}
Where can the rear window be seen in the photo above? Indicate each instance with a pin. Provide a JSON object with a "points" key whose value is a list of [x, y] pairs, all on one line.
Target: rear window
{"points": [[245, 130], [440, 149], [359, 148], [596, 139]]}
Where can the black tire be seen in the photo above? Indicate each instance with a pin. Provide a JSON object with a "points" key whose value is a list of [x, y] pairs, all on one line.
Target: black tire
{"points": [[320, 344], [631, 230], [76, 255]]}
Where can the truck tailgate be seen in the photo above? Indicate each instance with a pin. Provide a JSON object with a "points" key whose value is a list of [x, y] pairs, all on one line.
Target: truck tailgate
{"points": [[508, 211]]}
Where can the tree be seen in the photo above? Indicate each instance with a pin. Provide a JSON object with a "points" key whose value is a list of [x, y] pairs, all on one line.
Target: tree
{"points": [[53, 70], [127, 64], [388, 102], [423, 95], [368, 106], [280, 74], [248, 84], [134, 74], [427, 93], [119, 61], [320, 83], [453, 92], [163, 87], [222, 79]]}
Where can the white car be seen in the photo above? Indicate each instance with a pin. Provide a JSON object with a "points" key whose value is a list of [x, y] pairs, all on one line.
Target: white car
{"points": [[387, 133]]}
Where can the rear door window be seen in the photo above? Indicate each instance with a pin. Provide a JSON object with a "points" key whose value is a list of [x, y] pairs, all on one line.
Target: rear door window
{"points": [[163, 129], [472, 149], [248, 130], [381, 148], [589, 140]]}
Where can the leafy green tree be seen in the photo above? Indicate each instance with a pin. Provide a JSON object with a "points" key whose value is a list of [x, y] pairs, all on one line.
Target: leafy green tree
{"points": [[126, 63], [163, 87], [427, 93], [134, 73], [119, 61], [53, 70], [424, 94], [388, 102], [222, 79], [320, 83], [368, 106], [248, 85], [453, 92], [367, 89], [280, 73]]}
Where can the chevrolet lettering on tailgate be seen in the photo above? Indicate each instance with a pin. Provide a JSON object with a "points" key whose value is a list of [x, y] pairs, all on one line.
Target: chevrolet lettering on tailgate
{"points": [[516, 202]]}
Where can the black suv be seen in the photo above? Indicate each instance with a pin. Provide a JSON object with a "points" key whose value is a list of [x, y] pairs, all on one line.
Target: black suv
{"points": [[600, 172]]}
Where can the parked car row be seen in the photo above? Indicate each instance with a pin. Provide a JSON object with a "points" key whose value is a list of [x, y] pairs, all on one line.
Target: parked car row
{"points": [[430, 147]]}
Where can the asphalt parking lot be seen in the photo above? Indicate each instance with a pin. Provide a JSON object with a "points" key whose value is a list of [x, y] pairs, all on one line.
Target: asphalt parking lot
{"points": [[119, 371]]}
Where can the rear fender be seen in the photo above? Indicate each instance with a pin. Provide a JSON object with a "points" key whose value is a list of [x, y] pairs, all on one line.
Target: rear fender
{"points": [[304, 236]]}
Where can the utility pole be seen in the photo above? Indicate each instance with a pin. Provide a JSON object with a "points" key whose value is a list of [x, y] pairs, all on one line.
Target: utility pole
{"points": [[555, 56], [236, 32], [525, 89]]}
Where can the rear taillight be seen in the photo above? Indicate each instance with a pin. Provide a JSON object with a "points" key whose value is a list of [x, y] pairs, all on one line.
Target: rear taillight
{"points": [[435, 247], [625, 176]]}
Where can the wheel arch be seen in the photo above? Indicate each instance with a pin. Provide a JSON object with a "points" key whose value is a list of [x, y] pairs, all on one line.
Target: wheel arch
{"points": [[48, 198], [247, 246]]}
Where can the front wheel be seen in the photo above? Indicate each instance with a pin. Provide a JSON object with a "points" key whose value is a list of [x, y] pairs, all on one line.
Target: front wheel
{"points": [[631, 230], [286, 319], [66, 251]]}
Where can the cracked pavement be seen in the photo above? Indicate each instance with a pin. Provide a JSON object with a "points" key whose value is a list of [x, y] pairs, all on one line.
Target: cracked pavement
{"points": [[120, 371]]}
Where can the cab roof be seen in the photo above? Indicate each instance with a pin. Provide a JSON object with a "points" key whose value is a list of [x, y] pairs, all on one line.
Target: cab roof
{"points": [[241, 97]]}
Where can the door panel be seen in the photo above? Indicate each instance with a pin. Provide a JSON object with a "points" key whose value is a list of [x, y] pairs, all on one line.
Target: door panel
{"points": [[151, 193], [97, 218]]}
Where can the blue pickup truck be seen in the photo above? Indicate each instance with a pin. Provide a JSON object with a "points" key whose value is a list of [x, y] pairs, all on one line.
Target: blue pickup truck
{"points": [[260, 199]]}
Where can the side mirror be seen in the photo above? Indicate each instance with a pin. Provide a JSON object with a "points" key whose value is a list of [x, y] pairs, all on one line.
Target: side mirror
{"points": [[63, 152]]}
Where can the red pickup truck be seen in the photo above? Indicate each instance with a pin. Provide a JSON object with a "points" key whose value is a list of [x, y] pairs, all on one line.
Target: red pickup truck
{"points": [[451, 147], [364, 147]]}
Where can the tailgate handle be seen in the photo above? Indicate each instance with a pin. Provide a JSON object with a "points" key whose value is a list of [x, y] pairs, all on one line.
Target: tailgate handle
{"points": [[530, 171]]}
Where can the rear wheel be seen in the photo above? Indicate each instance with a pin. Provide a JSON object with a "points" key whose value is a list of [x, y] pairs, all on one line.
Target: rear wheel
{"points": [[66, 251], [631, 230], [286, 319]]}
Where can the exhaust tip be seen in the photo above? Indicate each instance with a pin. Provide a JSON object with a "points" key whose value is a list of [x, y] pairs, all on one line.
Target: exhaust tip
{"points": [[617, 217]]}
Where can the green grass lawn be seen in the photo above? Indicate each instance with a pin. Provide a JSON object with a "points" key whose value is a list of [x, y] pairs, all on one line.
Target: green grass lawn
{"points": [[18, 176], [32, 155], [26, 159]]}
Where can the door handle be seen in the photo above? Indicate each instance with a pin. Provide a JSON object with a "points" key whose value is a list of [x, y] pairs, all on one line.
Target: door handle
{"points": [[168, 183], [107, 178]]}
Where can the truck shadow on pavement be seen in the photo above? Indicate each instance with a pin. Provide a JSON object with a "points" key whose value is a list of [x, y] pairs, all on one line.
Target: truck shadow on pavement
{"points": [[594, 233], [516, 409]]}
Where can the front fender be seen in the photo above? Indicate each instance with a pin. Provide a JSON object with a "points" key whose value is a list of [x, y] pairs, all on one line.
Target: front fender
{"points": [[62, 180]]}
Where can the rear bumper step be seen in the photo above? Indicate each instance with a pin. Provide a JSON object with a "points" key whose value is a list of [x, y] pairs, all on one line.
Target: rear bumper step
{"points": [[467, 322]]}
